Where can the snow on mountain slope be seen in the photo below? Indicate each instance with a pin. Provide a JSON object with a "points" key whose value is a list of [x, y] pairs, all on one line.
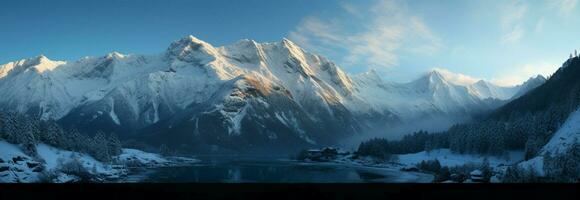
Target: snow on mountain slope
{"points": [[191, 66], [249, 112], [196, 70], [137, 156], [16, 166], [54, 158], [443, 94], [13, 166], [29, 86], [530, 84], [127, 93], [484, 89], [430, 95], [450, 159], [568, 134], [435, 93], [51, 94], [560, 143]]}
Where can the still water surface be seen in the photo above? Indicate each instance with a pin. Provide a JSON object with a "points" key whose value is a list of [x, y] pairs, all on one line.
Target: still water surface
{"points": [[270, 170]]}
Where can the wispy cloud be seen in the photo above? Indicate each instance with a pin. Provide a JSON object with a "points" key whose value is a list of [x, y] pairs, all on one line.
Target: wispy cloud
{"points": [[374, 36], [565, 7], [513, 36], [540, 25], [512, 21], [516, 14]]}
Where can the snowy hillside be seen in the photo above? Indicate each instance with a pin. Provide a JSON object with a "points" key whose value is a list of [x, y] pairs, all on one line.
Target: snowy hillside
{"points": [[559, 144], [568, 134], [60, 165], [18, 167], [447, 158], [14, 167]]}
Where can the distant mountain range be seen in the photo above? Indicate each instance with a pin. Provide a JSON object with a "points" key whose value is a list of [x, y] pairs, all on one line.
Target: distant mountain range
{"points": [[247, 95]]}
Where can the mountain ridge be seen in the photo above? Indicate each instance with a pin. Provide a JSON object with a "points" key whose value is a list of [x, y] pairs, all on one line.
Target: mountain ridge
{"points": [[227, 86]]}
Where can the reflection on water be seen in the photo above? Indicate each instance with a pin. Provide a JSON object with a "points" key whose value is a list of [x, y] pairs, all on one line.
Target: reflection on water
{"points": [[267, 171]]}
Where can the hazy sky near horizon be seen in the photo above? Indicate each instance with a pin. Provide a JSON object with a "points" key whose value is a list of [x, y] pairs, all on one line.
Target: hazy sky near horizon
{"points": [[504, 41]]}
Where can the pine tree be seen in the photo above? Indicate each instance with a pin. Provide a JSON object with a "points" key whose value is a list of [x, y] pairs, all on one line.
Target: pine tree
{"points": [[164, 150], [27, 138], [114, 145], [572, 162], [100, 147], [486, 170], [436, 166], [444, 174], [428, 146], [51, 133], [74, 141], [10, 128], [2, 124]]}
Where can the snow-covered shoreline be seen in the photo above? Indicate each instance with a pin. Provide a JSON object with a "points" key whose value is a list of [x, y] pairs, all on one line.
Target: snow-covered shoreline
{"points": [[54, 165], [391, 170], [60, 166], [403, 162]]}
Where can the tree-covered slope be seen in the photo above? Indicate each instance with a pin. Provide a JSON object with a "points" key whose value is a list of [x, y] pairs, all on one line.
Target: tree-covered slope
{"points": [[560, 90]]}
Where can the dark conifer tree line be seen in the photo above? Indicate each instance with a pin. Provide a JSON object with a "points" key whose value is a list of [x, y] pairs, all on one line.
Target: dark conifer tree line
{"points": [[28, 132], [526, 123]]}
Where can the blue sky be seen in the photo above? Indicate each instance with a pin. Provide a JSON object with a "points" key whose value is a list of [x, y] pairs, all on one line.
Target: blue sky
{"points": [[504, 41]]}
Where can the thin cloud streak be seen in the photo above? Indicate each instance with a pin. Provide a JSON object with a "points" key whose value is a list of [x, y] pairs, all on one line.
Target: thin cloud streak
{"points": [[392, 30], [512, 21], [565, 7]]}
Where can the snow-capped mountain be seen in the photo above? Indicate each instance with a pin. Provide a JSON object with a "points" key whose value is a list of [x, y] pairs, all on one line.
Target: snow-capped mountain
{"points": [[431, 94], [435, 95], [484, 89], [530, 84], [247, 93]]}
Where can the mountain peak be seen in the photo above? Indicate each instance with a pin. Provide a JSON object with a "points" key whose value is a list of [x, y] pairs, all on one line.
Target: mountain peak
{"points": [[284, 39], [538, 77], [42, 63], [37, 60], [373, 72], [115, 55], [431, 78], [371, 75], [191, 49], [287, 43], [42, 57], [436, 75], [191, 38], [534, 81], [244, 43], [482, 83]]}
